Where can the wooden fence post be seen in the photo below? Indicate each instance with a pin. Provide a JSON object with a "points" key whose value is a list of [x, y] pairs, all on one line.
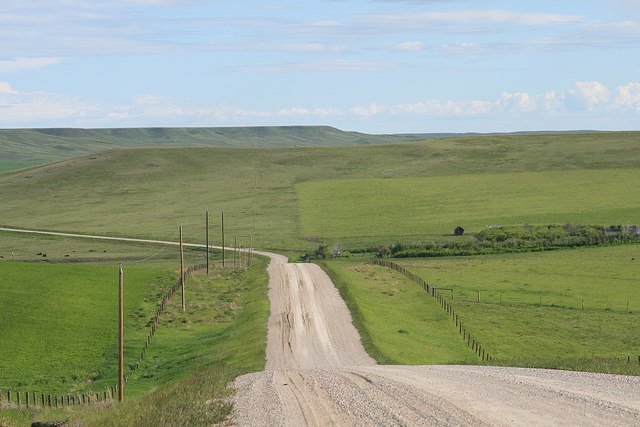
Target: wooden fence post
{"points": [[120, 336]]}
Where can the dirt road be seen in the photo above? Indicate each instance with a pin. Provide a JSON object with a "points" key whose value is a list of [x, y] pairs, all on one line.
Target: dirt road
{"points": [[319, 374]]}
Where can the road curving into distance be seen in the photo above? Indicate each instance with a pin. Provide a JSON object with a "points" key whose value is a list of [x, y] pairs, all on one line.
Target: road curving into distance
{"points": [[318, 373]]}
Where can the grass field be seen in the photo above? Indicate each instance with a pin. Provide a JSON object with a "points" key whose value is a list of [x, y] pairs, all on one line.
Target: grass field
{"points": [[58, 322], [605, 278], [192, 358], [414, 208], [397, 323], [116, 192], [518, 332]]}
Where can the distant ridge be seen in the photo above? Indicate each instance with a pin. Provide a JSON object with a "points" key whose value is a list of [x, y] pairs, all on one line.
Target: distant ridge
{"points": [[21, 148], [38, 146]]}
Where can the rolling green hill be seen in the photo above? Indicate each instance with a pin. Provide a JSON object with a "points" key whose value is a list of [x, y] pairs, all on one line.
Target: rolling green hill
{"points": [[24, 147], [149, 192]]}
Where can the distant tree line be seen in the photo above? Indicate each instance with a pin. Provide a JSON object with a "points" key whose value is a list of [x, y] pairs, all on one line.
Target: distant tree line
{"points": [[497, 240]]}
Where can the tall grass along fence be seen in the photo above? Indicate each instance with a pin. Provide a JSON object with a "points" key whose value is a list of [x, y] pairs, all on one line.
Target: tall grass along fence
{"points": [[33, 399], [156, 318], [467, 338]]}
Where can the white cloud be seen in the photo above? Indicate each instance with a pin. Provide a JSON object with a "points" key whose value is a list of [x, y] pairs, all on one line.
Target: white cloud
{"points": [[38, 108], [6, 88], [589, 95], [42, 109], [628, 96], [412, 46], [517, 102], [313, 48], [19, 64], [474, 17], [366, 111], [319, 66]]}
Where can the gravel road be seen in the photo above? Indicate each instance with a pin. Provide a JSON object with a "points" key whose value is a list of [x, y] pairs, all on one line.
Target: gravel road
{"points": [[318, 374]]}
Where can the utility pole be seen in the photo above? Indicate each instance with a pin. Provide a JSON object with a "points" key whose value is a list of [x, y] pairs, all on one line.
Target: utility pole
{"points": [[206, 227], [184, 307], [120, 333], [222, 239]]}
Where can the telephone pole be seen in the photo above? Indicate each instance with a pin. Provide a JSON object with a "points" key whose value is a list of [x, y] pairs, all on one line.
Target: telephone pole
{"points": [[207, 237], [120, 333], [184, 307], [222, 239]]}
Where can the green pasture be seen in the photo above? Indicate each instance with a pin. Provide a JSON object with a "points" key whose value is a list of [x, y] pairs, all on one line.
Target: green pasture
{"points": [[397, 322], [414, 208], [17, 246], [150, 192], [518, 332], [58, 322], [604, 278], [193, 356], [540, 321]]}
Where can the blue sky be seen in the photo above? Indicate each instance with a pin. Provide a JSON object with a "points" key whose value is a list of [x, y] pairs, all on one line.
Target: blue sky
{"points": [[378, 66]]}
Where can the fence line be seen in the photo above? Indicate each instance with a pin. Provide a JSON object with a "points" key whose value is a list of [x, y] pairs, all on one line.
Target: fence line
{"points": [[33, 399], [156, 318], [467, 338]]}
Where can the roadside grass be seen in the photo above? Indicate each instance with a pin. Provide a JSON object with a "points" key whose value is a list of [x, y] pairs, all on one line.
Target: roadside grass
{"points": [[433, 206], [398, 322], [150, 192], [194, 355], [183, 379]]}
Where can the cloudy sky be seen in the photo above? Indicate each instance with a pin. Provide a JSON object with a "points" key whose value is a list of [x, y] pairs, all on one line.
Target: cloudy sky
{"points": [[379, 66]]}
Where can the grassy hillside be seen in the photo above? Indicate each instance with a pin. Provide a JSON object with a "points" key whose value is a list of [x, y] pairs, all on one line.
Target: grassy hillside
{"points": [[22, 147], [150, 192], [413, 208]]}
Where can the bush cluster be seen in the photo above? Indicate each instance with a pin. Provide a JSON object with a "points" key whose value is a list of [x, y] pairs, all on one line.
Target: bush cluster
{"points": [[524, 239]]}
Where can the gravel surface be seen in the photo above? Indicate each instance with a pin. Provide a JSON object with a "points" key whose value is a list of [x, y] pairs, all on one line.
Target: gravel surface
{"points": [[319, 374]]}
